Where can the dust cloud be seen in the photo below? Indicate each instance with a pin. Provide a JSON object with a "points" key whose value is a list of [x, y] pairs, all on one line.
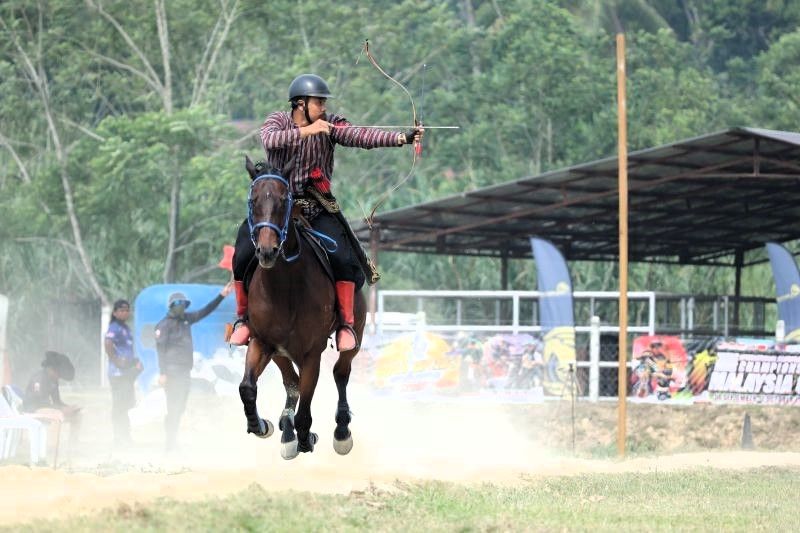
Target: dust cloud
{"points": [[395, 440]]}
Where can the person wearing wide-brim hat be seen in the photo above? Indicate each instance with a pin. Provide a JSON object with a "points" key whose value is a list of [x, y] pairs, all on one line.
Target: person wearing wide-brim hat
{"points": [[42, 395]]}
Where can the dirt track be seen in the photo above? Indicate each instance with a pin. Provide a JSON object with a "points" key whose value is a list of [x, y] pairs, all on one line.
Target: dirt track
{"points": [[393, 440]]}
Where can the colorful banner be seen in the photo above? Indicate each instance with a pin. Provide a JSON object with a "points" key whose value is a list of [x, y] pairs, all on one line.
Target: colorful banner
{"points": [[424, 365], [555, 312], [661, 368], [755, 374], [513, 368], [787, 288], [743, 371]]}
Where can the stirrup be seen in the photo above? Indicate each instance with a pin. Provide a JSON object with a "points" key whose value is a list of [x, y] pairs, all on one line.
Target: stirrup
{"points": [[240, 336], [347, 328]]}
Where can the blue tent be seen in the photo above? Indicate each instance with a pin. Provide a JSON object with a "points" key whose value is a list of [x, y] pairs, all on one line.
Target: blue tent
{"points": [[150, 307]]}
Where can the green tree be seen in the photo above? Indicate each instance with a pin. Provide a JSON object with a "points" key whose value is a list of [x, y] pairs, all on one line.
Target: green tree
{"points": [[778, 79]]}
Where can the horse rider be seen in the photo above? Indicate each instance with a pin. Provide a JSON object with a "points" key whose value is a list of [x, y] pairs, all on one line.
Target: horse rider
{"points": [[301, 142]]}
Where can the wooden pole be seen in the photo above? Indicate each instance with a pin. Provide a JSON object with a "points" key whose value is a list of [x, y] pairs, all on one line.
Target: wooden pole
{"points": [[622, 127], [372, 302]]}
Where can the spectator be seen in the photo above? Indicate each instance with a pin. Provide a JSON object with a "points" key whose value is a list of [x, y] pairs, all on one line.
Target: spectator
{"points": [[176, 355], [123, 368], [42, 395]]}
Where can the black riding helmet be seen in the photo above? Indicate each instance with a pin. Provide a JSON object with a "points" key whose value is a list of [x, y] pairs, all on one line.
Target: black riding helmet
{"points": [[308, 85]]}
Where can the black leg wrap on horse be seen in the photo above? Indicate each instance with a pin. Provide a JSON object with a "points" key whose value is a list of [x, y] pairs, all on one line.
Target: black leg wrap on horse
{"points": [[343, 419], [307, 444], [305, 438], [248, 394], [341, 432], [343, 416]]}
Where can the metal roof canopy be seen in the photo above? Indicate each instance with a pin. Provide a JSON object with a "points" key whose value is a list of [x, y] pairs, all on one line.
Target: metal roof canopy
{"points": [[703, 201]]}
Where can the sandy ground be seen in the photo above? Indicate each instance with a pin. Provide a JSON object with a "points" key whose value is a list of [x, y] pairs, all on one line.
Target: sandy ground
{"points": [[393, 441]]}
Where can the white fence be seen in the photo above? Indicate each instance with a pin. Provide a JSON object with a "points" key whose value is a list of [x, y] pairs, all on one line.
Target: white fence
{"points": [[596, 317]]}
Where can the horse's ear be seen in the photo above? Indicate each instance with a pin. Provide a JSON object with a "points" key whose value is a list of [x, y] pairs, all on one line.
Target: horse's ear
{"points": [[287, 168], [251, 168]]}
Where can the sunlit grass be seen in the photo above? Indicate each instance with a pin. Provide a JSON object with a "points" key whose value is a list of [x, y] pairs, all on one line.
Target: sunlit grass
{"points": [[710, 500]]}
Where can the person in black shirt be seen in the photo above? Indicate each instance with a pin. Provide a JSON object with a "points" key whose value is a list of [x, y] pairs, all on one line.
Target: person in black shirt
{"points": [[176, 355], [43, 398]]}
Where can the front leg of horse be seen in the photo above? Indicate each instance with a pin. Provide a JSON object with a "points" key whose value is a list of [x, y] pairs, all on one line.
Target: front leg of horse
{"points": [[309, 374], [255, 363], [291, 382], [342, 438]]}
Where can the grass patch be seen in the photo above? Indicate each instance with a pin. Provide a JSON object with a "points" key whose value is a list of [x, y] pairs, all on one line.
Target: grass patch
{"points": [[711, 500]]}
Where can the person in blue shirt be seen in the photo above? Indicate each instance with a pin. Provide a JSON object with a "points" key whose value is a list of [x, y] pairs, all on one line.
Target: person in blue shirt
{"points": [[123, 367]]}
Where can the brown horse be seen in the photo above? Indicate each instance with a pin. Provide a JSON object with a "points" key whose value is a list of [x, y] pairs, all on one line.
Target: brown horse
{"points": [[293, 311]]}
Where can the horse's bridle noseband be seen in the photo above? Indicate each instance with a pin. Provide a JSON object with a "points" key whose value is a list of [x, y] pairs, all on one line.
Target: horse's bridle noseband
{"points": [[281, 231]]}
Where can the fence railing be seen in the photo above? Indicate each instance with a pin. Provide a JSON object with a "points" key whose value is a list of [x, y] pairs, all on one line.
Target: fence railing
{"points": [[596, 323]]}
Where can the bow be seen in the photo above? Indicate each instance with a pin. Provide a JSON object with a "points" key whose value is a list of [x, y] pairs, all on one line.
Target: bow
{"points": [[417, 145]]}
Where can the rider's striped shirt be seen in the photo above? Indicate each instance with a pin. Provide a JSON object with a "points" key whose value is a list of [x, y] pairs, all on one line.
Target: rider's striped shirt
{"points": [[281, 139]]}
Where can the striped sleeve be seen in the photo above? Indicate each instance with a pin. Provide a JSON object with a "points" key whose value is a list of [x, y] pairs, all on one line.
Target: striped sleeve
{"points": [[361, 137], [278, 132]]}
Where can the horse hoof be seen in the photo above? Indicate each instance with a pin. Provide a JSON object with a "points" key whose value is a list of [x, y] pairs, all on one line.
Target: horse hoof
{"points": [[343, 447], [289, 450], [265, 429]]}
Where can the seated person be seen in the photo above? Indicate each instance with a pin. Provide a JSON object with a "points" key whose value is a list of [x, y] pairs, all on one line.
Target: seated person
{"points": [[42, 397]]}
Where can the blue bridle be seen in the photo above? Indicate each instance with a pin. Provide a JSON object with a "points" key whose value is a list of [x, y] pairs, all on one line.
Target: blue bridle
{"points": [[283, 231]]}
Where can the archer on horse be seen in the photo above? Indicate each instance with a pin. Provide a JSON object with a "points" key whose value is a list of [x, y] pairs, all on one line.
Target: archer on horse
{"points": [[301, 142]]}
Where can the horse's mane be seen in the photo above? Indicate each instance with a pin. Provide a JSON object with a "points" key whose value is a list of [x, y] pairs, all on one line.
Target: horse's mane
{"points": [[263, 168]]}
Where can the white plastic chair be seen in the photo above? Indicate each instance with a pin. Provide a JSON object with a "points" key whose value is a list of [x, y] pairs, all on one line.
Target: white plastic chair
{"points": [[12, 424]]}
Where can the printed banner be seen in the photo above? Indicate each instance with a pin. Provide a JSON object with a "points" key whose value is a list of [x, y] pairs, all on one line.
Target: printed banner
{"points": [[428, 366], [555, 311], [787, 288], [661, 368], [744, 371], [755, 374]]}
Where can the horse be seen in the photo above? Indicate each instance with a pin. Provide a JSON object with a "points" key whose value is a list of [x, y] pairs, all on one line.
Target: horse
{"points": [[292, 313]]}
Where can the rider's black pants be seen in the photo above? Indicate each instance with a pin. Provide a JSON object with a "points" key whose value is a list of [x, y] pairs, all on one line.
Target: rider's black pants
{"points": [[344, 261], [244, 253]]}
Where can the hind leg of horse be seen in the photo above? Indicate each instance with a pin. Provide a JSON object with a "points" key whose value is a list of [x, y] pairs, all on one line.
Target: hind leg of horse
{"points": [[256, 361], [342, 438], [309, 374]]}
